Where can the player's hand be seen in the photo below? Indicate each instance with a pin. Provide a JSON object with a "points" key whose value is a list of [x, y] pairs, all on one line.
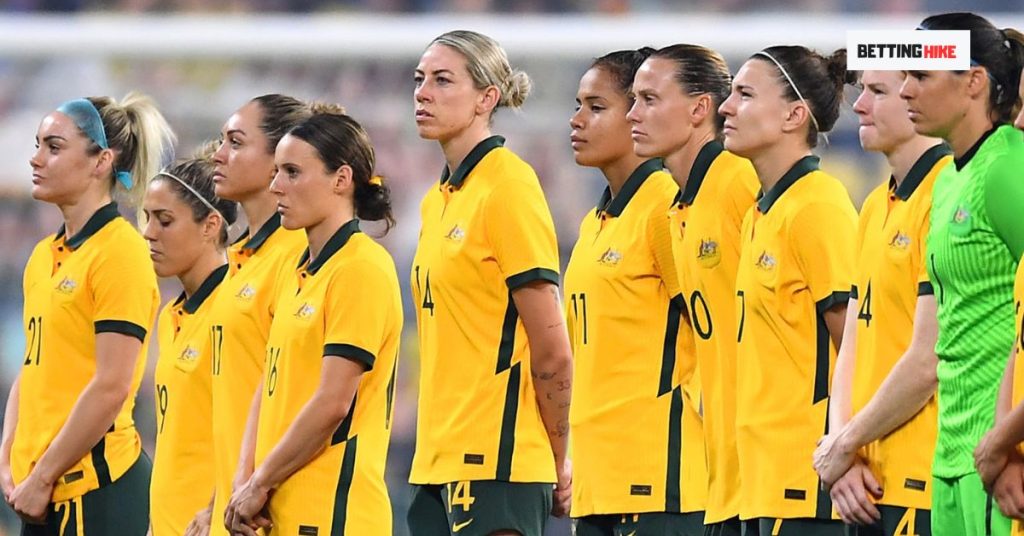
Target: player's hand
{"points": [[1008, 488], [31, 498], [833, 458], [200, 525], [563, 490], [6, 480], [246, 511], [852, 495], [991, 457]]}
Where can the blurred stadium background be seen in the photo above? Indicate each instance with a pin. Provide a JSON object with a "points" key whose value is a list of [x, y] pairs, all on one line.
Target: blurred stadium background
{"points": [[202, 59]]}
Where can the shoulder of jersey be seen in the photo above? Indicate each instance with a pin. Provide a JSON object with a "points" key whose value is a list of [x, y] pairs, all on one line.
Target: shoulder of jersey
{"points": [[503, 165], [128, 239], [738, 171]]}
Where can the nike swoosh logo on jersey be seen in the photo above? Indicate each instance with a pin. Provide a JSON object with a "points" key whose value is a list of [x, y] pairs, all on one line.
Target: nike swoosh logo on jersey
{"points": [[456, 527]]}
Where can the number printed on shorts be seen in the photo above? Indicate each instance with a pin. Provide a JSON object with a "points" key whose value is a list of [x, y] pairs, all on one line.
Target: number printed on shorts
{"points": [[459, 494]]}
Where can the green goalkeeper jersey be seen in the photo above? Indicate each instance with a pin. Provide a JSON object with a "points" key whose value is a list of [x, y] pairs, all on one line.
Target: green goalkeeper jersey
{"points": [[976, 239]]}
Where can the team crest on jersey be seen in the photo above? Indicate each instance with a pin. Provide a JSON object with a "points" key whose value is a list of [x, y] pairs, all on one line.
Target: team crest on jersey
{"points": [[611, 257], [246, 292], [305, 311], [766, 261], [66, 285], [961, 215], [188, 355], [708, 253], [900, 241], [456, 234]]}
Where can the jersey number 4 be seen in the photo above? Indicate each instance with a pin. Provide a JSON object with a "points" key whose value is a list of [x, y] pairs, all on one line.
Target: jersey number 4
{"points": [[865, 307], [428, 300]]}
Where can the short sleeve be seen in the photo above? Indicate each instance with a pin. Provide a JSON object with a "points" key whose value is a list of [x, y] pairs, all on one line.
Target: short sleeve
{"points": [[823, 236], [521, 232], [924, 284], [356, 312], [1004, 197], [659, 236], [124, 290]]}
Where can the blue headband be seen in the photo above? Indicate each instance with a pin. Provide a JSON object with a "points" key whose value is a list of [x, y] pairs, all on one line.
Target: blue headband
{"points": [[87, 118]]}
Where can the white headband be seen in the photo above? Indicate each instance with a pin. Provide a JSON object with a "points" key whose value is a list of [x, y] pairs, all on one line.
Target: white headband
{"points": [[206, 202], [795, 90]]}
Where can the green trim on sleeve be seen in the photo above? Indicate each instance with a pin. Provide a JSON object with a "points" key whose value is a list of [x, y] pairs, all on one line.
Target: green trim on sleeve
{"points": [[352, 352], [832, 300], [529, 276], [123, 327], [924, 288]]}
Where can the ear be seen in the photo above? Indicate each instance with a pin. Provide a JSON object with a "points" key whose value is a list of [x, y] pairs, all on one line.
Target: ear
{"points": [[488, 99], [212, 225], [341, 180], [702, 108], [978, 82], [797, 114], [105, 163]]}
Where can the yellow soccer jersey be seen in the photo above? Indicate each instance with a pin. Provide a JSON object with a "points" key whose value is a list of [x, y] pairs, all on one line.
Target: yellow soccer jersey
{"points": [[486, 231], [345, 304], [99, 280], [1018, 360], [796, 263], [706, 220], [889, 278], [240, 319], [182, 480], [621, 281]]}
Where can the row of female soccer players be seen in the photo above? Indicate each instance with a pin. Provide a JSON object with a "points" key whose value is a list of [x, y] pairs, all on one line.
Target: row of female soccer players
{"points": [[703, 317]]}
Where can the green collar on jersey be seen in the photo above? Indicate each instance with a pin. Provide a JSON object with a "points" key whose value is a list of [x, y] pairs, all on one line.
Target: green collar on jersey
{"points": [[211, 282], [261, 236], [472, 159], [803, 166], [701, 165], [919, 171], [333, 245], [966, 157], [97, 221], [614, 206]]}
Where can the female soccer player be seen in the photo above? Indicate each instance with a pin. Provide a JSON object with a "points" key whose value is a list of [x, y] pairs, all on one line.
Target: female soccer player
{"points": [[325, 416], [496, 371], [678, 92], [258, 265], [792, 285], [186, 226], [885, 370], [974, 245], [628, 444], [69, 441]]}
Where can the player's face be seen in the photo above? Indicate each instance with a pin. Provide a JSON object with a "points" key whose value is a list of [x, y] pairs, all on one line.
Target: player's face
{"points": [[446, 99], [176, 240], [62, 170], [305, 189], [936, 100], [1019, 122], [600, 131], [243, 167], [884, 124], [659, 114], [755, 111]]}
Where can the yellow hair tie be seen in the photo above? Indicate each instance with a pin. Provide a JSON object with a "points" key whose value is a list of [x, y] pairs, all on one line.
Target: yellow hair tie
{"points": [[377, 180]]}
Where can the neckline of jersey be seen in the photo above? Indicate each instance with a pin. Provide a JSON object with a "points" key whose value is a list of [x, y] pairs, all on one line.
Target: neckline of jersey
{"points": [[707, 155], [212, 281], [106, 214], [333, 245], [801, 168], [962, 162], [257, 240], [919, 171], [456, 180], [614, 206]]}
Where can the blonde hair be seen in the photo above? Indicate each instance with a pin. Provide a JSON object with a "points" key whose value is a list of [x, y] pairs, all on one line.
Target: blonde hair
{"points": [[488, 65], [141, 140]]}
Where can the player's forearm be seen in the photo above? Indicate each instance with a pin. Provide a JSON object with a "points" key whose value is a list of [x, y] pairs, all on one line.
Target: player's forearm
{"points": [[842, 379], [10, 422], [90, 419], [552, 377], [909, 386], [307, 436], [247, 453], [1004, 403]]}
